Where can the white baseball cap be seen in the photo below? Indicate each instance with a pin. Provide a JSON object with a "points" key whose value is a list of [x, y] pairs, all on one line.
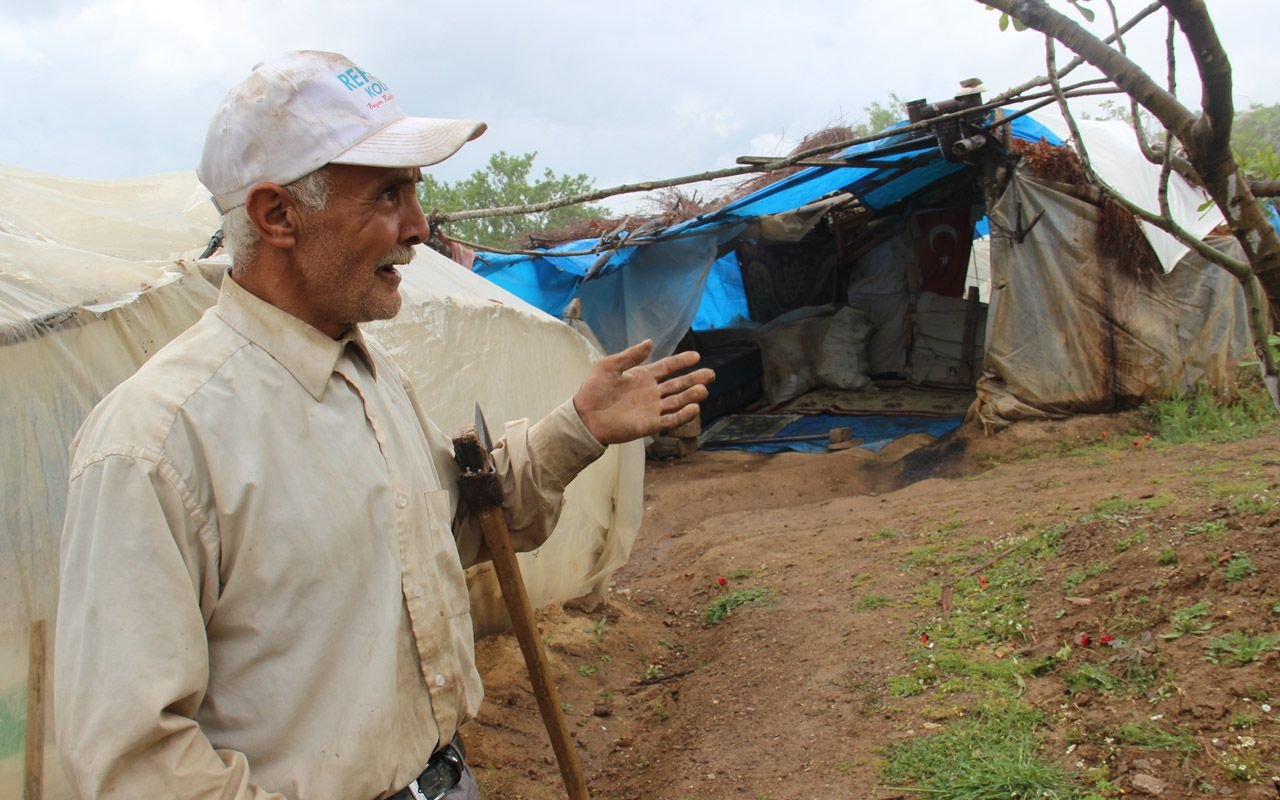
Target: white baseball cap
{"points": [[305, 109]]}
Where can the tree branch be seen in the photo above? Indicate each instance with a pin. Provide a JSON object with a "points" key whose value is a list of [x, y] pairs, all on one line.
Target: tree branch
{"points": [[1078, 60], [1120, 69], [1214, 126]]}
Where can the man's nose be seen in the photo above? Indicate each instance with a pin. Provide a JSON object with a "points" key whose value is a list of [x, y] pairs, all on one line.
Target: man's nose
{"points": [[414, 228]]}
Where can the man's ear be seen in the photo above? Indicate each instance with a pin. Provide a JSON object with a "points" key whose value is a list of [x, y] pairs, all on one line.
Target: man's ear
{"points": [[273, 212]]}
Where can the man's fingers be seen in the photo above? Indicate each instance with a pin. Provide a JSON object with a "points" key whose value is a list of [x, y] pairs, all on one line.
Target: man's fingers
{"points": [[681, 382], [677, 418], [691, 396], [633, 356], [674, 363]]}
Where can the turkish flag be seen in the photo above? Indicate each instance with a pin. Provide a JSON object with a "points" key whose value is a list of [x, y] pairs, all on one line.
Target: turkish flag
{"points": [[943, 240]]}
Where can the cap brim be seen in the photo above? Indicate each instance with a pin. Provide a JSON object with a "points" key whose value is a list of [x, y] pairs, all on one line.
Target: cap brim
{"points": [[412, 142]]}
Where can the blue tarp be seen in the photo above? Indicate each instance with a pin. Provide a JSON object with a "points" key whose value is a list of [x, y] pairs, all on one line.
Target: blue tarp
{"points": [[550, 281], [874, 431]]}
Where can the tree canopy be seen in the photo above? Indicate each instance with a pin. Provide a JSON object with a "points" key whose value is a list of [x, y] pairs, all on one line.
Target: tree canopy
{"points": [[507, 181]]}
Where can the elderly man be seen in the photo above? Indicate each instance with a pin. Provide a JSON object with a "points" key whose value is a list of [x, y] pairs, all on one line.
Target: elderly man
{"points": [[262, 590]]}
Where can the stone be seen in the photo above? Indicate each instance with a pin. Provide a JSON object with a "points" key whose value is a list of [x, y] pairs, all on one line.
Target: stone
{"points": [[1148, 784]]}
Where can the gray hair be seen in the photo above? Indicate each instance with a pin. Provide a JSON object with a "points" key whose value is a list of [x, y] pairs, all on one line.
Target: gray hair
{"points": [[240, 235]]}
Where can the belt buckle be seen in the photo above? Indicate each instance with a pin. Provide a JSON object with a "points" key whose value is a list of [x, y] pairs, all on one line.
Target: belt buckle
{"points": [[439, 783]]}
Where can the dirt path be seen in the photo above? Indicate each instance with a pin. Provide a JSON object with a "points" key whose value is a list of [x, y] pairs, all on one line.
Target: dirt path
{"points": [[799, 690]]}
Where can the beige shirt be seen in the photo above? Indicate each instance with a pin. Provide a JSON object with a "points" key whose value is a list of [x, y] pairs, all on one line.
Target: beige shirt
{"points": [[261, 592]]}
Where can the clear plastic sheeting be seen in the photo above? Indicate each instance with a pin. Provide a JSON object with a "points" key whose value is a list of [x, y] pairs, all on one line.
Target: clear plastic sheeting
{"points": [[1070, 330], [95, 277]]}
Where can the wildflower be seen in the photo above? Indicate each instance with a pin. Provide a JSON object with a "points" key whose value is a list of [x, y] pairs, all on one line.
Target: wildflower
{"points": [[924, 638], [1137, 443], [1105, 435], [982, 581], [722, 581], [1146, 437], [1084, 640], [1106, 638]]}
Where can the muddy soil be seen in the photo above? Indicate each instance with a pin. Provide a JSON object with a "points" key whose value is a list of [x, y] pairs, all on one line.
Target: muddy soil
{"points": [[850, 558]]}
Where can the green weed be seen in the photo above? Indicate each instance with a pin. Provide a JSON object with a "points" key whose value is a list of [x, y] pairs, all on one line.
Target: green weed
{"points": [[1238, 567], [1122, 545], [1204, 415], [722, 605], [1213, 527], [1239, 648], [1188, 621]]}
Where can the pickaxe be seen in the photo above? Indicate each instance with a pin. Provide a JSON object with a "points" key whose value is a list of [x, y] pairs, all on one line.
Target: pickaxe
{"points": [[480, 488]]}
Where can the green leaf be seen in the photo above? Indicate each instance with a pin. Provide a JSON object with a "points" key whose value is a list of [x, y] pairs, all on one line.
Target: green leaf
{"points": [[1086, 13], [1205, 206], [1004, 22], [1019, 25]]}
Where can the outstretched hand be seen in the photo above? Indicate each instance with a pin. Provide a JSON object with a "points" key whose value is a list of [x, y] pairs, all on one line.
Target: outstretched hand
{"points": [[624, 399]]}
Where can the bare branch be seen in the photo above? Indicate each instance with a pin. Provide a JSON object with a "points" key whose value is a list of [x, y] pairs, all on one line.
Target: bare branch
{"points": [[1214, 126], [1119, 68], [1077, 61], [1172, 84]]}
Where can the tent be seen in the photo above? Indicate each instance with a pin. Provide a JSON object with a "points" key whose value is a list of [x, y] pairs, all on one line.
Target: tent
{"points": [[96, 276], [1063, 325]]}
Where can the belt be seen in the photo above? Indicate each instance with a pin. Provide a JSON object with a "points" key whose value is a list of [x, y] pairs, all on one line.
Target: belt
{"points": [[442, 773]]}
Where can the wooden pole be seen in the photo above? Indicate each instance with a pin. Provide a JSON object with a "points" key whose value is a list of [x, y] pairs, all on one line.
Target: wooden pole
{"points": [[33, 788], [968, 336], [483, 494]]}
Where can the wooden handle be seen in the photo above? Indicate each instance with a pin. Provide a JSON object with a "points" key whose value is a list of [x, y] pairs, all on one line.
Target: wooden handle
{"points": [[494, 527], [33, 787]]}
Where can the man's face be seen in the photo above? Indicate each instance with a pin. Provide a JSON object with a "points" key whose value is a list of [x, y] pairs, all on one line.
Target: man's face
{"points": [[346, 254]]}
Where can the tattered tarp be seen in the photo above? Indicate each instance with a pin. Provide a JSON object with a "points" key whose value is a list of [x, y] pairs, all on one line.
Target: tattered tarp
{"points": [[687, 249], [1072, 330], [95, 277]]}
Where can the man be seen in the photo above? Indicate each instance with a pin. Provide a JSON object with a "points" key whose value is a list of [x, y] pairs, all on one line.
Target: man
{"points": [[262, 592]]}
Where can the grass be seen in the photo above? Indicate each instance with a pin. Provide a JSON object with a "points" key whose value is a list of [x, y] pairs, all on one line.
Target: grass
{"points": [[1205, 416], [994, 754], [1188, 621], [1151, 736], [1238, 648], [1074, 579], [725, 603], [870, 602]]}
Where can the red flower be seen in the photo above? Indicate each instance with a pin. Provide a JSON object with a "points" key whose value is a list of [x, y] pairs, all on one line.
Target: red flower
{"points": [[924, 638], [722, 581], [1106, 435], [1084, 640], [1106, 638], [1146, 437], [982, 581], [1137, 443]]}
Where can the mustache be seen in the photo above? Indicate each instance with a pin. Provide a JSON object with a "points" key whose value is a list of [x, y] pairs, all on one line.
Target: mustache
{"points": [[397, 256]]}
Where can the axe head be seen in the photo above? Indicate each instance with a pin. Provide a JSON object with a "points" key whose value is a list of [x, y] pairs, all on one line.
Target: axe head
{"points": [[482, 430]]}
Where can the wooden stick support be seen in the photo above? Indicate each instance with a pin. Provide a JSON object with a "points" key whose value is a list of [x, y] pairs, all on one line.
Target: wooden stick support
{"points": [[483, 494], [33, 785]]}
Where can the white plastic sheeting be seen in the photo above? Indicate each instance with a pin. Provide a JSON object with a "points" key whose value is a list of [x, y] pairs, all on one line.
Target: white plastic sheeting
{"points": [[1113, 151], [91, 284], [1070, 330]]}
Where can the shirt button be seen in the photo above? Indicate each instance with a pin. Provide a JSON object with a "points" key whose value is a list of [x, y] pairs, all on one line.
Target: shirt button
{"points": [[417, 591], [401, 501], [439, 680]]}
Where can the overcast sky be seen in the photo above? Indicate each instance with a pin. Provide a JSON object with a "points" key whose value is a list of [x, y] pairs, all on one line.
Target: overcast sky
{"points": [[122, 88]]}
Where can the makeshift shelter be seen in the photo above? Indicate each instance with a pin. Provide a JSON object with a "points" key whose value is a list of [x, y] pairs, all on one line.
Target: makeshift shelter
{"points": [[837, 274], [95, 277]]}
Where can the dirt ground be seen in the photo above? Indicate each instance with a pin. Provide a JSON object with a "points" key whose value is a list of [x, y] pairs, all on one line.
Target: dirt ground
{"points": [[857, 559]]}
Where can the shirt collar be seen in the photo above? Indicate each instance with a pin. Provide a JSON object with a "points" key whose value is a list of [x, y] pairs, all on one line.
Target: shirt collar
{"points": [[307, 353]]}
